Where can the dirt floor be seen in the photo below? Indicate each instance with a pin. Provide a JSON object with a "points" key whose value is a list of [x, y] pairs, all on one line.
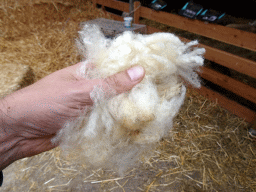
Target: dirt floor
{"points": [[208, 148]]}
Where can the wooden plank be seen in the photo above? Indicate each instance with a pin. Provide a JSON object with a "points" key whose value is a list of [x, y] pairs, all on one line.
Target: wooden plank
{"points": [[225, 34], [103, 3], [228, 60], [114, 4], [116, 17], [231, 61], [230, 84], [230, 105]]}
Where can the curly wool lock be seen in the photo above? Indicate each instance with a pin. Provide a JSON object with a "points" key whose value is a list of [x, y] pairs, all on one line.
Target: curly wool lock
{"points": [[119, 129]]}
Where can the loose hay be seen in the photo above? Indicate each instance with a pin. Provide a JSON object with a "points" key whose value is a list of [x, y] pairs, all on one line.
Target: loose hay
{"points": [[209, 149], [14, 77], [42, 36]]}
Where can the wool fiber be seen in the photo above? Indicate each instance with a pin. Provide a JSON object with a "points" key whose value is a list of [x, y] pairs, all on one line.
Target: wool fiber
{"points": [[120, 129]]}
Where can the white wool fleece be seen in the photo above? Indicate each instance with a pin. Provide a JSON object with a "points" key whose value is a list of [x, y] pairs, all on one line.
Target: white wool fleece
{"points": [[119, 129]]}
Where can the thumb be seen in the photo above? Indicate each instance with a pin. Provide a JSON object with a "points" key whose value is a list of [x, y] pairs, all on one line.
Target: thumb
{"points": [[125, 80]]}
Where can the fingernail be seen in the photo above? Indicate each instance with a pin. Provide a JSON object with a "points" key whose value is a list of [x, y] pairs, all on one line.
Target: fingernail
{"points": [[136, 73]]}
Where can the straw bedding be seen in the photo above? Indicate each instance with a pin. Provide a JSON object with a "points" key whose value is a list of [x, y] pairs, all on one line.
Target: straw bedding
{"points": [[14, 77], [208, 148]]}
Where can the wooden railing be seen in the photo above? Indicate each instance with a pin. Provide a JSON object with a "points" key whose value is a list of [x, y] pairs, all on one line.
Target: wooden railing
{"points": [[220, 33]]}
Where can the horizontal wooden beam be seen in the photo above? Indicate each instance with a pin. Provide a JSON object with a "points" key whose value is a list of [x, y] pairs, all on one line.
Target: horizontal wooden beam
{"points": [[230, 84], [113, 4], [231, 61], [228, 104], [221, 33], [116, 17], [223, 58]]}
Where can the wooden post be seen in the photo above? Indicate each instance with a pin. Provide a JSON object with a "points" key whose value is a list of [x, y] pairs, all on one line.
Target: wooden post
{"points": [[137, 12]]}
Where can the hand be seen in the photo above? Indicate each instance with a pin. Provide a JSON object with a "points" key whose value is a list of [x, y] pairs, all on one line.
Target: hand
{"points": [[32, 116]]}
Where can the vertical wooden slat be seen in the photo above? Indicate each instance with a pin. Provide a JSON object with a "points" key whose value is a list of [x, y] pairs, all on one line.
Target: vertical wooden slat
{"points": [[137, 12]]}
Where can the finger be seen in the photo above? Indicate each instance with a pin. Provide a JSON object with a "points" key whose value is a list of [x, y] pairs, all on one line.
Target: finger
{"points": [[125, 80], [120, 82]]}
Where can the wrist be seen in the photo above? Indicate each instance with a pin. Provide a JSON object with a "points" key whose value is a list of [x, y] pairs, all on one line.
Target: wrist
{"points": [[9, 138]]}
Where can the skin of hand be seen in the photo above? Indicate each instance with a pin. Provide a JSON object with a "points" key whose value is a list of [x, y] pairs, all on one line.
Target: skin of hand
{"points": [[32, 116]]}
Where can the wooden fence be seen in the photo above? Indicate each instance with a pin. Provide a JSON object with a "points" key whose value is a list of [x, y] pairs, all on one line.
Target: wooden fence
{"points": [[220, 33]]}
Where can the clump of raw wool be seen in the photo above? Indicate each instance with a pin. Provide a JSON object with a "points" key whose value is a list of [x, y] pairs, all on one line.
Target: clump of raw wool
{"points": [[120, 129]]}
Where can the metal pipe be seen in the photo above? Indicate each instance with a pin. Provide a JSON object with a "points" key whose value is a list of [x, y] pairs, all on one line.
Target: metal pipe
{"points": [[131, 7]]}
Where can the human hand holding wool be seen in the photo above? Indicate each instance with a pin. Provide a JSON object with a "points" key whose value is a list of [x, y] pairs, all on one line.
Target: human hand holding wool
{"points": [[120, 130], [31, 117], [117, 130]]}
